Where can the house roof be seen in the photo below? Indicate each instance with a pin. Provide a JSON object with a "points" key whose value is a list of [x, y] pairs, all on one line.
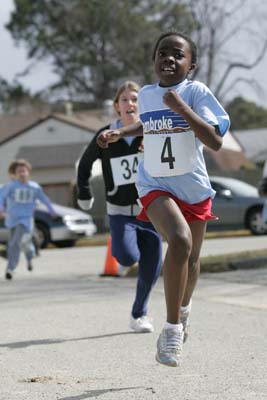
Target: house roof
{"points": [[226, 160], [231, 156], [12, 126], [253, 142], [91, 120], [230, 143], [56, 156]]}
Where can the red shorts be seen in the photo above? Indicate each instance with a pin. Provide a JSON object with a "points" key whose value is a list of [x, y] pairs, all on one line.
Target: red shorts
{"points": [[192, 212]]}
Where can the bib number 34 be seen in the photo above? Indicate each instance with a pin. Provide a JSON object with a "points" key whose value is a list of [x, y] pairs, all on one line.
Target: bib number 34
{"points": [[129, 169], [124, 169]]}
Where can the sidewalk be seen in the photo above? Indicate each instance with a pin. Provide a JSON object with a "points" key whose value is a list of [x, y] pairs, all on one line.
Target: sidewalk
{"points": [[64, 336]]}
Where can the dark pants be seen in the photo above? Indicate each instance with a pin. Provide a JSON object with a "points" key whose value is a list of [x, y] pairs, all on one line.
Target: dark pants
{"points": [[137, 241]]}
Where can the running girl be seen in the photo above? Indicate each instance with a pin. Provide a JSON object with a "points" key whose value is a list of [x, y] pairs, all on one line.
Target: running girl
{"points": [[177, 117]]}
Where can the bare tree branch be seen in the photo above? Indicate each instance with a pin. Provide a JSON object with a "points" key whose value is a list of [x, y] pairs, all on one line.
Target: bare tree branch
{"points": [[233, 84], [240, 65], [236, 7]]}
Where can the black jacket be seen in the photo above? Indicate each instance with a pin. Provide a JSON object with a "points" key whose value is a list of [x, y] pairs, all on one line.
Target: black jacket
{"points": [[125, 194]]}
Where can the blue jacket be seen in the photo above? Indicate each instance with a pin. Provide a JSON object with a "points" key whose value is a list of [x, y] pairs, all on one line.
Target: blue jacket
{"points": [[19, 199]]}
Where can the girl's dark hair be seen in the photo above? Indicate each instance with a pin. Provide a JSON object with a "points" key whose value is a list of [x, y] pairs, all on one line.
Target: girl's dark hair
{"points": [[192, 44]]}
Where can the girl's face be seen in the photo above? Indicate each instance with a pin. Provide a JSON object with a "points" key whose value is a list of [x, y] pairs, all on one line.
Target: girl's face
{"points": [[127, 106], [173, 60], [22, 173]]}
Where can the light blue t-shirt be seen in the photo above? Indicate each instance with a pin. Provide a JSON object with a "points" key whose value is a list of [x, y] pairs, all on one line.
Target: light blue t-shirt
{"points": [[18, 200], [192, 187]]}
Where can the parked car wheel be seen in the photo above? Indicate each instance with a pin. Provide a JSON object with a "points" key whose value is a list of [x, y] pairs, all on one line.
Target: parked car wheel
{"points": [[254, 221], [42, 234], [65, 243]]}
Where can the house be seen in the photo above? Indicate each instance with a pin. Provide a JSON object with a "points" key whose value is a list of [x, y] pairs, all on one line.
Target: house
{"points": [[253, 143], [230, 158], [52, 144]]}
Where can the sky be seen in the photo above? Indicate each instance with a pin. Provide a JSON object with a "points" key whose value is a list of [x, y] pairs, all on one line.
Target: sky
{"points": [[14, 61]]}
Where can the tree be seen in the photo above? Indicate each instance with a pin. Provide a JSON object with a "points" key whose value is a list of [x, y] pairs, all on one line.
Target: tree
{"points": [[94, 43], [231, 37], [245, 114], [14, 98]]}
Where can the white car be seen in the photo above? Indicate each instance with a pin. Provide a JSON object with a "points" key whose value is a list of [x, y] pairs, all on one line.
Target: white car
{"points": [[238, 206], [63, 231]]}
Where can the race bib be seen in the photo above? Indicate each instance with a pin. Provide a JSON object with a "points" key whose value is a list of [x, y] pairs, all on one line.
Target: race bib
{"points": [[22, 195], [124, 169], [168, 154]]}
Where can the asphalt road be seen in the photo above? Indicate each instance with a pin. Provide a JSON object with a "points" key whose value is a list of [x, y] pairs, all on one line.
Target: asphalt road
{"points": [[64, 334]]}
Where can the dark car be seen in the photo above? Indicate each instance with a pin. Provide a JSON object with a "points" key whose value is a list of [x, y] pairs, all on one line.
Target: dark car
{"points": [[63, 231], [238, 206]]}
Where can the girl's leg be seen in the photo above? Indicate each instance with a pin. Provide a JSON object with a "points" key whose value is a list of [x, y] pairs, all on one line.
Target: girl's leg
{"points": [[149, 243], [124, 239], [14, 246], [198, 230], [168, 220], [125, 248], [29, 249]]}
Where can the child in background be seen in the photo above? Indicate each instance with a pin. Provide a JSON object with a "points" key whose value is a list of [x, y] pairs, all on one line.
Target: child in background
{"points": [[17, 204], [177, 117], [132, 240], [33, 245]]}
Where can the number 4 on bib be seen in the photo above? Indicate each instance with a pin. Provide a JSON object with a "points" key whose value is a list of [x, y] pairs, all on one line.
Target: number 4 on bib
{"points": [[166, 154], [170, 154]]}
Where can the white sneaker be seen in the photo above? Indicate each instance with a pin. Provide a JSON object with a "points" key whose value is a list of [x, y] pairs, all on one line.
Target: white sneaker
{"points": [[141, 325], [124, 271], [169, 347]]}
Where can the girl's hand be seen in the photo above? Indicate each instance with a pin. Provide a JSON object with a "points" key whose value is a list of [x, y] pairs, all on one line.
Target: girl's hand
{"points": [[172, 99], [141, 148], [108, 136]]}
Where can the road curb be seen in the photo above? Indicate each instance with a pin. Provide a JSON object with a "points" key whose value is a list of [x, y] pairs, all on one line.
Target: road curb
{"points": [[240, 262], [102, 238], [221, 263]]}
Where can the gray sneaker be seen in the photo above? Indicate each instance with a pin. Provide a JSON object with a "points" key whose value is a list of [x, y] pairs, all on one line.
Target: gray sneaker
{"points": [[169, 347], [30, 267], [184, 319], [9, 274]]}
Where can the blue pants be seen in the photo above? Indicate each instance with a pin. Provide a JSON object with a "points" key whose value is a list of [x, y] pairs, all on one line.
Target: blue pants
{"points": [[19, 239], [137, 241]]}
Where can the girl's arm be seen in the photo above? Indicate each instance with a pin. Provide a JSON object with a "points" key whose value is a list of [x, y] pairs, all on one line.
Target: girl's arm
{"points": [[46, 201], [4, 192], [90, 155], [111, 136], [208, 134]]}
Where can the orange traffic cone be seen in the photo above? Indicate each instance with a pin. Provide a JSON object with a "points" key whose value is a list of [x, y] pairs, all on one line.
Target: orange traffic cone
{"points": [[111, 264]]}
